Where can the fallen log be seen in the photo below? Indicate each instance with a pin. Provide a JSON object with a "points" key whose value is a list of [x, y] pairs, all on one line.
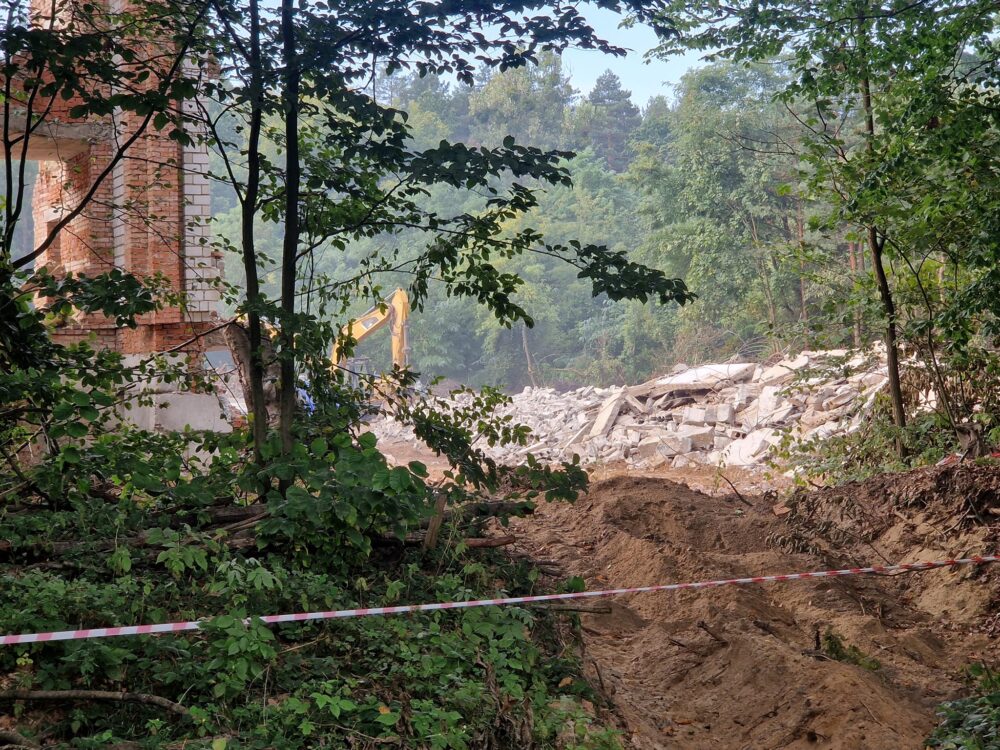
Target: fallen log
{"points": [[9, 739], [94, 695], [489, 541], [233, 526]]}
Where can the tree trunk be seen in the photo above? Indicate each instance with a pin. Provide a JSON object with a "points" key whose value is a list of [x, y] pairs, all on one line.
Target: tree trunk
{"points": [[529, 361], [238, 339], [290, 244], [255, 364], [800, 236], [875, 246], [853, 261], [891, 344]]}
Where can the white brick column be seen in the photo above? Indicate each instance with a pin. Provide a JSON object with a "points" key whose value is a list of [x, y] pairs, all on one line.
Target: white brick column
{"points": [[201, 267]]}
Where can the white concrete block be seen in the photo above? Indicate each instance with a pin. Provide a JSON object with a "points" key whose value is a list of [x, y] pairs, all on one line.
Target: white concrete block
{"points": [[700, 437]]}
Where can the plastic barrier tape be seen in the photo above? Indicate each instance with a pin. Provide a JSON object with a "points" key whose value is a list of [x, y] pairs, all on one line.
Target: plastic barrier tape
{"points": [[176, 627]]}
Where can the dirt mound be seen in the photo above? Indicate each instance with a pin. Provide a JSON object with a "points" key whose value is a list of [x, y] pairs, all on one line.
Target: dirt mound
{"points": [[752, 667]]}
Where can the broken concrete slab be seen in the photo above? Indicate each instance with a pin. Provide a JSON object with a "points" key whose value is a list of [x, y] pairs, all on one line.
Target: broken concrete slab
{"points": [[694, 415], [707, 377], [700, 437], [606, 416], [634, 404], [671, 445], [770, 400], [779, 415], [720, 442], [724, 414], [747, 450], [694, 458]]}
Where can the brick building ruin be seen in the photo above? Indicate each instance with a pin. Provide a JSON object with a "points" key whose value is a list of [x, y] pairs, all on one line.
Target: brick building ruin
{"points": [[149, 216]]}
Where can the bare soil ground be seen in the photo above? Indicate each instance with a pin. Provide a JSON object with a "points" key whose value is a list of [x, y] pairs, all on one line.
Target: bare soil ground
{"points": [[739, 668]]}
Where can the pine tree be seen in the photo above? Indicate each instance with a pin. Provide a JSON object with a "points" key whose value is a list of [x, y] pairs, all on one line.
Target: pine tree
{"points": [[608, 119]]}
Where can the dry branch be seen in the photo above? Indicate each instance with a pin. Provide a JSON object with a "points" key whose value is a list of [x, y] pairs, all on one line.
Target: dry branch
{"points": [[11, 739], [490, 541], [94, 695]]}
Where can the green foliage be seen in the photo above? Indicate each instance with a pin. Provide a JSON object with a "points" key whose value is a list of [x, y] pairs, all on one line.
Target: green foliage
{"points": [[130, 521], [869, 450], [607, 120], [434, 680], [891, 125], [833, 646], [106, 524], [693, 198], [971, 723]]}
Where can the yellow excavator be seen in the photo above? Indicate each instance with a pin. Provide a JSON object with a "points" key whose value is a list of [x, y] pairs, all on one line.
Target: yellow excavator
{"points": [[393, 311]]}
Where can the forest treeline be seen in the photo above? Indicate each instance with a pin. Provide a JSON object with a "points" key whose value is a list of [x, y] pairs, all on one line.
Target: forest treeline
{"points": [[677, 184]]}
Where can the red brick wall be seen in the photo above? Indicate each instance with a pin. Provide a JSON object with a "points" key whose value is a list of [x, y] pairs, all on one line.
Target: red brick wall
{"points": [[144, 197]]}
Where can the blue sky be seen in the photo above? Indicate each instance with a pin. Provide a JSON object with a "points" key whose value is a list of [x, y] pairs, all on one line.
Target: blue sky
{"points": [[643, 79]]}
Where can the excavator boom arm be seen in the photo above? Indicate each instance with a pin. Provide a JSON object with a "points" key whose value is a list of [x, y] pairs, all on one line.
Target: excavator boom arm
{"points": [[393, 311]]}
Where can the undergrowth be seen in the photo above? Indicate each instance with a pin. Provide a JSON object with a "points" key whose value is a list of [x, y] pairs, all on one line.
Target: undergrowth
{"points": [[869, 450], [834, 646], [971, 723], [115, 526], [476, 678]]}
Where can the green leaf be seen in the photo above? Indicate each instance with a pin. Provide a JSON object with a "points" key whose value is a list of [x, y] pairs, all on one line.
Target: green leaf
{"points": [[76, 429], [63, 410], [80, 398], [400, 479]]}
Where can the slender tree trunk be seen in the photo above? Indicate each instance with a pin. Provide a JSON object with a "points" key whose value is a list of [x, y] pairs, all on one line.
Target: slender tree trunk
{"points": [[800, 236], [772, 310], [891, 343], [856, 314], [291, 238], [258, 404], [765, 280], [527, 356], [875, 246]]}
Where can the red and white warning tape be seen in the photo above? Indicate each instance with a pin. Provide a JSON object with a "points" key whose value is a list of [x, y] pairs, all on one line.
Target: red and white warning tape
{"points": [[176, 627]]}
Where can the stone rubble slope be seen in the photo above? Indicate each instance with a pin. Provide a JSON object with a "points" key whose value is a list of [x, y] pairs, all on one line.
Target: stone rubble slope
{"points": [[716, 414]]}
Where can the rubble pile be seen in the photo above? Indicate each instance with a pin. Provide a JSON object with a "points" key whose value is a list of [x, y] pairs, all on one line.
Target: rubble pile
{"points": [[719, 414]]}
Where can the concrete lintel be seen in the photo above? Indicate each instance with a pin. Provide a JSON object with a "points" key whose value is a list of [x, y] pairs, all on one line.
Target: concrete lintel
{"points": [[56, 139]]}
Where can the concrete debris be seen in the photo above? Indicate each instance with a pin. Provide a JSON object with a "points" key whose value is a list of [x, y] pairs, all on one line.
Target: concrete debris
{"points": [[716, 414], [606, 416]]}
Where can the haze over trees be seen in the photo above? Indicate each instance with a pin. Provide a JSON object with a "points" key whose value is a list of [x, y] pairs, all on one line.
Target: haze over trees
{"points": [[672, 185]]}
